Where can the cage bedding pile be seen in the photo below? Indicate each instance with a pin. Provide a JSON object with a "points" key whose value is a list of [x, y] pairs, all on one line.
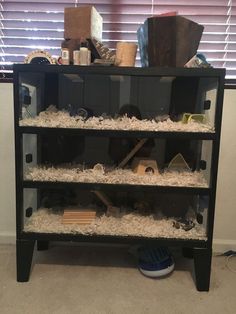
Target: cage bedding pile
{"points": [[115, 176], [130, 224], [53, 118]]}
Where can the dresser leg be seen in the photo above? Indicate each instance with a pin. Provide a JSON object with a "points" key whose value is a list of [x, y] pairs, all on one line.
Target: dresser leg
{"points": [[202, 265], [24, 254], [42, 245], [187, 252]]}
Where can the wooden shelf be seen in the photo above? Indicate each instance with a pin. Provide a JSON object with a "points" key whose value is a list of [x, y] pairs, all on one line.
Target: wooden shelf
{"points": [[113, 239], [120, 187], [117, 133]]}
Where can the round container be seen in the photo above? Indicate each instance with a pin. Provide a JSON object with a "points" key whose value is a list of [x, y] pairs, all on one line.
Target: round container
{"points": [[76, 57], [65, 56], [155, 262], [157, 272]]}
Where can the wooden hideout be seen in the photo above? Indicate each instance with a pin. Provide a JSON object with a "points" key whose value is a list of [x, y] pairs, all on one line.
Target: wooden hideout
{"points": [[144, 166]]}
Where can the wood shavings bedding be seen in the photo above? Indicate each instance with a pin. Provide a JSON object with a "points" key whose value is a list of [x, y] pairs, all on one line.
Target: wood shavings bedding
{"points": [[130, 224], [53, 118], [115, 176]]}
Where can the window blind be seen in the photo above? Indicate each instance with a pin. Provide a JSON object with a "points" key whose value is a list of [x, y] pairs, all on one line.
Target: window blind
{"points": [[38, 24]]}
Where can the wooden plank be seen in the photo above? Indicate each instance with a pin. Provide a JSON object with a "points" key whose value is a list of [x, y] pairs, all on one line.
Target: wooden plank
{"points": [[102, 196], [77, 221], [132, 152], [79, 211], [78, 216], [81, 214]]}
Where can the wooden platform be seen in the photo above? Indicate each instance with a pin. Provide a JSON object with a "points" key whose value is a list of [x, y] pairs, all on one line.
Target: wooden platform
{"points": [[78, 216]]}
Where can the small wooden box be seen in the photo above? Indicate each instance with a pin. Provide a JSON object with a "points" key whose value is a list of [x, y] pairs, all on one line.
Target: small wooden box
{"points": [[168, 41], [82, 22], [143, 166]]}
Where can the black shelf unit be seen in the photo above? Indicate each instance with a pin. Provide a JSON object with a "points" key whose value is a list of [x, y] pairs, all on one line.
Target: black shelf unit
{"points": [[121, 187], [112, 238], [118, 133], [181, 96]]}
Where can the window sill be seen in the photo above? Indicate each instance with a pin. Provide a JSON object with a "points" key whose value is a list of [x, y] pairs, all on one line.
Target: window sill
{"points": [[6, 77]]}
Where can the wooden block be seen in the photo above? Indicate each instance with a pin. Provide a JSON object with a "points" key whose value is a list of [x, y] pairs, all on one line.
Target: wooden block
{"points": [[143, 166], [168, 41], [82, 22]]}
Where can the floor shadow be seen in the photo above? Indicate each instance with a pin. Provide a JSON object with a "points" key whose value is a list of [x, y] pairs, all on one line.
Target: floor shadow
{"points": [[86, 256]]}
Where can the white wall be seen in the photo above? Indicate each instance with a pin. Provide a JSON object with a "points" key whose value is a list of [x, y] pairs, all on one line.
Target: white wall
{"points": [[225, 219], [7, 165]]}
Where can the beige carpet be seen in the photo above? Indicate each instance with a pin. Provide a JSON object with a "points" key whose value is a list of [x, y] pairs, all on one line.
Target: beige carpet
{"points": [[103, 280]]}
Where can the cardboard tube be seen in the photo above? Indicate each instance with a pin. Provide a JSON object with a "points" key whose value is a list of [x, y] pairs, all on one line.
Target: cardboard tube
{"points": [[125, 54]]}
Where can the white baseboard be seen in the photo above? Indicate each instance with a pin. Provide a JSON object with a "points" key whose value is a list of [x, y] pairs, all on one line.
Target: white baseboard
{"points": [[7, 238], [221, 245]]}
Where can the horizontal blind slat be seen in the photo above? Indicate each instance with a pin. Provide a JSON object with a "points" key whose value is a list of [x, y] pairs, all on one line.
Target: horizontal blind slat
{"points": [[27, 25]]}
